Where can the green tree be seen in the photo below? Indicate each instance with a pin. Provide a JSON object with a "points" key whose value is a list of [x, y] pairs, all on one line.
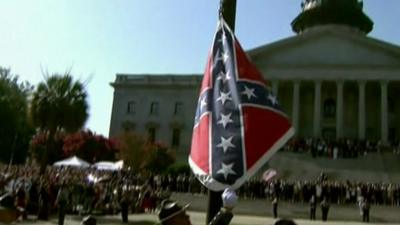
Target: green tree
{"points": [[143, 156], [15, 132], [58, 104], [38, 146], [158, 158], [132, 150]]}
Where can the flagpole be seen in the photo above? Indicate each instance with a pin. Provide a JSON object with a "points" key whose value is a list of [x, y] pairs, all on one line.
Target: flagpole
{"points": [[228, 12]]}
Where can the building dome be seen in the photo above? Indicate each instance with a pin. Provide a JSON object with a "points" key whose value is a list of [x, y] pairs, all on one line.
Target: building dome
{"points": [[323, 12]]}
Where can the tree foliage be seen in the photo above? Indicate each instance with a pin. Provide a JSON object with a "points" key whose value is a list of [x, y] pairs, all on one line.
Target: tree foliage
{"points": [[157, 158], [90, 146], [38, 147], [143, 156], [177, 169], [58, 105], [131, 149], [15, 131], [84, 144]]}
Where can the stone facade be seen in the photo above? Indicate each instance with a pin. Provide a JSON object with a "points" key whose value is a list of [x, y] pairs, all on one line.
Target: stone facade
{"points": [[335, 82], [160, 107]]}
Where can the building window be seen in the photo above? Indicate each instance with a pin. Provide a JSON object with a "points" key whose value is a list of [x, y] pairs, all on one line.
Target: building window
{"points": [[329, 108], [176, 134], [131, 107], [178, 108], [154, 108], [151, 134]]}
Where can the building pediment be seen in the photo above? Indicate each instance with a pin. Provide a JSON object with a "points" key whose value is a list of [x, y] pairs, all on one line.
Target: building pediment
{"points": [[327, 46]]}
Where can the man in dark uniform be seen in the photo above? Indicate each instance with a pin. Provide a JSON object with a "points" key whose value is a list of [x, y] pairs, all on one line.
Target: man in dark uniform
{"points": [[124, 204], [324, 209], [313, 207], [62, 200], [275, 206], [365, 206]]}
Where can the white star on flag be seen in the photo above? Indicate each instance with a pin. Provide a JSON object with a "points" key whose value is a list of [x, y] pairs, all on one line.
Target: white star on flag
{"points": [[223, 39], [224, 76], [224, 97], [249, 92], [225, 119], [272, 99], [203, 103], [226, 170], [226, 143], [220, 56], [225, 56]]}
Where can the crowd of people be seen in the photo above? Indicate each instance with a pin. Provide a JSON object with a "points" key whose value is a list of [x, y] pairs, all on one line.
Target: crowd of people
{"points": [[337, 192], [83, 191], [342, 148], [87, 191]]}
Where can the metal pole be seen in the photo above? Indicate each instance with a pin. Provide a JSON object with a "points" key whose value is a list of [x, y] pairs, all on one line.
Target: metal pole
{"points": [[228, 12], [214, 204]]}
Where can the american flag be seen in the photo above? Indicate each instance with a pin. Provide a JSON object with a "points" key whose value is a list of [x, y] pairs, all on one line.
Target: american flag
{"points": [[239, 124]]}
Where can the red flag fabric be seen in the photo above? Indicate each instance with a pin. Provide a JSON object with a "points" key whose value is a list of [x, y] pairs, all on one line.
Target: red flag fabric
{"points": [[239, 124]]}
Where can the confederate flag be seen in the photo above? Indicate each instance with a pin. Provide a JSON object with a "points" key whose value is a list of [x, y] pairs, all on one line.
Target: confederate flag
{"points": [[239, 124]]}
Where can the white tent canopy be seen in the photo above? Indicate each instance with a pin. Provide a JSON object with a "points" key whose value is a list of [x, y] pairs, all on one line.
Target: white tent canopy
{"points": [[73, 162], [106, 165]]}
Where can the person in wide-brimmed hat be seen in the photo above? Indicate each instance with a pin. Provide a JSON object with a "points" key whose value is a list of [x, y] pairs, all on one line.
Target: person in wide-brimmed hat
{"points": [[171, 213]]}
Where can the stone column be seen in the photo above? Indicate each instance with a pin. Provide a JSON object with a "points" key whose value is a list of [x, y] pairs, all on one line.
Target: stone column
{"points": [[296, 104], [317, 110], [361, 110], [339, 109], [275, 87], [384, 112]]}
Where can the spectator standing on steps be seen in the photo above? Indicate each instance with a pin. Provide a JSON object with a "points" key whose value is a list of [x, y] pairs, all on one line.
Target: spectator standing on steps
{"points": [[365, 206], [313, 207], [324, 209]]}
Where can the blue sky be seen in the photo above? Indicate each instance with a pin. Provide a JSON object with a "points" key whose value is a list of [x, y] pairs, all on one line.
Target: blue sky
{"points": [[99, 38]]}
